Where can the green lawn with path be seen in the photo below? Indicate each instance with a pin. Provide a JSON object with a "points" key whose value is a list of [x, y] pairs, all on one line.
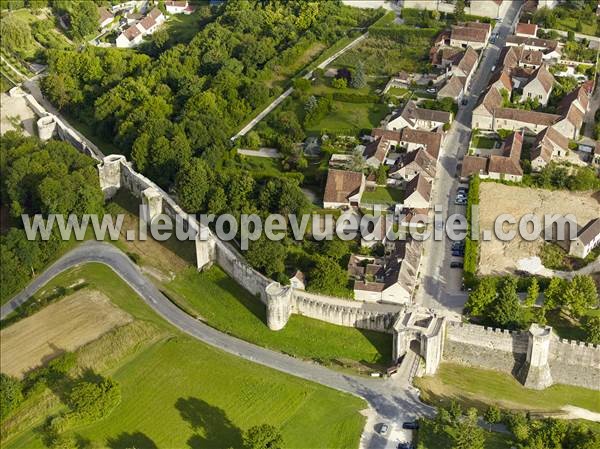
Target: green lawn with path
{"points": [[225, 305], [350, 118], [483, 142], [179, 392], [476, 387]]}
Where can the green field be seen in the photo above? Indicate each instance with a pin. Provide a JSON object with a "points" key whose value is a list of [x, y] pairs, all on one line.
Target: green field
{"points": [[223, 304], [350, 118], [476, 387], [178, 392], [383, 195]]}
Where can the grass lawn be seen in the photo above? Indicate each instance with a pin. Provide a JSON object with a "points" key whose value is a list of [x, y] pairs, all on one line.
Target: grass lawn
{"points": [[350, 118], [476, 387], [225, 305], [397, 91], [483, 142], [383, 195], [178, 392], [431, 440], [262, 167], [569, 23]]}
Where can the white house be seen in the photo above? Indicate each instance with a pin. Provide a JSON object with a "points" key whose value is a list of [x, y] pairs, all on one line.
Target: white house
{"points": [[587, 239], [177, 7], [539, 87], [343, 188], [134, 35], [415, 117], [417, 193]]}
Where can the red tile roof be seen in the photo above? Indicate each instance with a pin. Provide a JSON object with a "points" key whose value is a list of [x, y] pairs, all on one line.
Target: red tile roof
{"points": [[341, 184], [527, 28]]}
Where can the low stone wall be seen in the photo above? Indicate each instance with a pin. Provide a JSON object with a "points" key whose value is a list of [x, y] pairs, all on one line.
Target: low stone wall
{"points": [[497, 349], [575, 363]]}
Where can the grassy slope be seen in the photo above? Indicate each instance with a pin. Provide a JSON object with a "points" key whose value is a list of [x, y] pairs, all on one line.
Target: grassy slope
{"points": [[179, 392], [479, 387], [225, 305], [347, 117], [383, 195]]}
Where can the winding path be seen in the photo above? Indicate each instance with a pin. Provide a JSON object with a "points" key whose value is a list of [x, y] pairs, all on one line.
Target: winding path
{"points": [[392, 400]]}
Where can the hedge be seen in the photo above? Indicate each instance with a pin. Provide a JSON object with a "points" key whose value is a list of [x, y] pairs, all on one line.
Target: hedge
{"points": [[471, 246]]}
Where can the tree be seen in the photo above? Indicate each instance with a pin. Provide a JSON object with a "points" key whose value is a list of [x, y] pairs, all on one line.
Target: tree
{"points": [[336, 249], [482, 297], [359, 79], [192, 184], [591, 325], [506, 311], [492, 415], [311, 103], [11, 394], [533, 292], [553, 293], [302, 84], [381, 175], [93, 400], [252, 140], [266, 255], [580, 295], [339, 83], [264, 436], [459, 11], [84, 19], [16, 33], [327, 277], [468, 434]]}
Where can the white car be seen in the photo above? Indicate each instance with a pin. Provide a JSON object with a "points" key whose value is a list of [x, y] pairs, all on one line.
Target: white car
{"points": [[431, 90]]}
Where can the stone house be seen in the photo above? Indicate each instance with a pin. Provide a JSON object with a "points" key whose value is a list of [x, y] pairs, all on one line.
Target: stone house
{"points": [[539, 87], [391, 278], [505, 166], [417, 194], [343, 188], [463, 65], [484, 8], [412, 139], [526, 30], [549, 144], [415, 117], [178, 7], [376, 151], [412, 164], [587, 239], [472, 34], [454, 88]]}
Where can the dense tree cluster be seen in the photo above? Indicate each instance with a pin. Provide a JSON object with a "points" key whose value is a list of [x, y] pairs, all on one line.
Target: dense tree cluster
{"points": [[36, 178], [496, 302]]}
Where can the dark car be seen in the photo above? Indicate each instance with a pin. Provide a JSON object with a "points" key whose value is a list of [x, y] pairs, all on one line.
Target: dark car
{"points": [[456, 264], [464, 101], [462, 189], [411, 425], [458, 245], [404, 446], [458, 253]]}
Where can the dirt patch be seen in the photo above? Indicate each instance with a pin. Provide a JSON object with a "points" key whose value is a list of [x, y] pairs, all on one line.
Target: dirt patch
{"points": [[15, 111], [498, 257], [63, 326]]}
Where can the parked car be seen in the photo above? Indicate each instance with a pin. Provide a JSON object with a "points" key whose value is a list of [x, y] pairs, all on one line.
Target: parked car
{"points": [[458, 245], [460, 201], [464, 101], [456, 264], [458, 254], [404, 446], [383, 428], [411, 425], [431, 90], [462, 189]]}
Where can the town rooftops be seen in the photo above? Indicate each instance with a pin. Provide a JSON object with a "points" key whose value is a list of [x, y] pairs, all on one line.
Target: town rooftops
{"points": [[132, 32], [589, 232], [578, 94], [545, 44], [533, 117], [529, 29], [467, 60], [177, 3], [508, 163], [430, 140], [377, 149], [479, 25], [341, 185], [504, 78], [150, 20], [411, 113], [454, 86], [418, 184], [473, 165], [421, 158], [469, 34], [544, 77]]}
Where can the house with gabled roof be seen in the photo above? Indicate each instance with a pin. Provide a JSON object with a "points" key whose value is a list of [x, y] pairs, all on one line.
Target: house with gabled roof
{"points": [[526, 29], [413, 117], [412, 139], [504, 166], [549, 144], [106, 17], [376, 151], [539, 87], [133, 35], [343, 188], [587, 239], [417, 194], [412, 164], [471, 34]]}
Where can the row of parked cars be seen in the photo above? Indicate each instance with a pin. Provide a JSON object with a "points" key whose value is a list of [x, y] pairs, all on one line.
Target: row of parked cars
{"points": [[461, 195], [458, 248]]}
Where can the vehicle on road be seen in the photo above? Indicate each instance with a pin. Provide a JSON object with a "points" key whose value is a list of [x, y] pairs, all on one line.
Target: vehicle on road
{"points": [[464, 101], [456, 265], [383, 428], [460, 201], [410, 425]]}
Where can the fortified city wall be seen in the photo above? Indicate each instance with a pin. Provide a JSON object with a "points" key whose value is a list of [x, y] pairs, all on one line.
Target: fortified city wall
{"points": [[537, 358]]}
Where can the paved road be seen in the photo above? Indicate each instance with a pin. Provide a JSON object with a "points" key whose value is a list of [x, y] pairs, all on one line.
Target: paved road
{"points": [[391, 399], [288, 92], [441, 286]]}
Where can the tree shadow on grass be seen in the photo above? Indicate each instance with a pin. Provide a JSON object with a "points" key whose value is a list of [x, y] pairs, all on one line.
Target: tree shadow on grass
{"points": [[212, 426], [125, 440]]}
